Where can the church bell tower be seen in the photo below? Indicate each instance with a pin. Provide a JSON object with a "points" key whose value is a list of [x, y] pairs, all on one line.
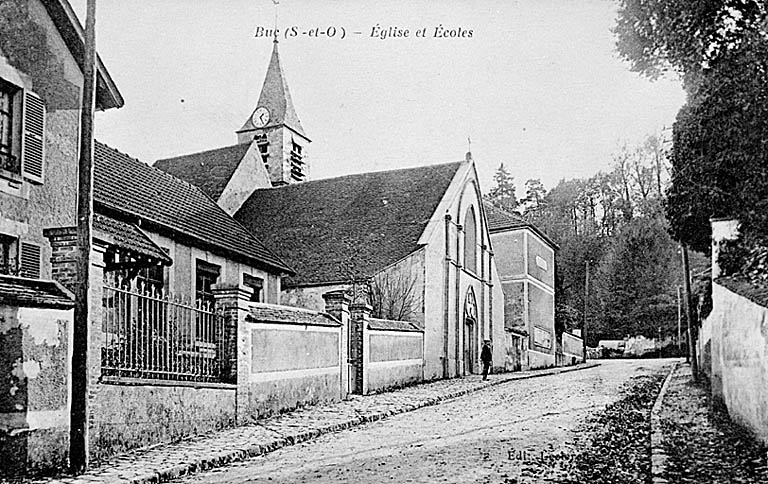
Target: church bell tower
{"points": [[275, 128]]}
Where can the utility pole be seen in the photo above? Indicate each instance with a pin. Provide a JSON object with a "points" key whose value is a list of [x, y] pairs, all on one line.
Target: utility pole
{"points": [[584, 326], [679, 321], [688, 314], [78, 433]]}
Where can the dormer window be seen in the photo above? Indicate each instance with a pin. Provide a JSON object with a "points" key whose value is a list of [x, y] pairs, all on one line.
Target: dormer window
{"points": [[297, 162], [263, 143]]}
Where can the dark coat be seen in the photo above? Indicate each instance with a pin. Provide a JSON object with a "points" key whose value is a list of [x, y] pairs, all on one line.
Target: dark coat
{"points": [[486, 355]]}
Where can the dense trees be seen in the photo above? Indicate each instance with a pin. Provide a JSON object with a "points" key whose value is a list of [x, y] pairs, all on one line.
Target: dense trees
{"points": [[719, 158], [616, 221]]}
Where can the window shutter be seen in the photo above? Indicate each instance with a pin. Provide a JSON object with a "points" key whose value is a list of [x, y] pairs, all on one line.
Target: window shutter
{"points": [[29, 260], [33, 137]]}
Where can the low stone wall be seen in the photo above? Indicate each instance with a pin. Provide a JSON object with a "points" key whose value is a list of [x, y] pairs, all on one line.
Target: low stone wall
{"points": [[139, 413], [395, 354], [537, 359], [292, 365], [739, 355], [573, 349]]}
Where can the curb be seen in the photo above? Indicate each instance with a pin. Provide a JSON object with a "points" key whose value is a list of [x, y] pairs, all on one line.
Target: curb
{"points": [[175, 471], [658, 453]]}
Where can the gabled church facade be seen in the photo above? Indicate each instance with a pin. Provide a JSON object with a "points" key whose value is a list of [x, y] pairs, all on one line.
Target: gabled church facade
{"points": [[422, 228]]}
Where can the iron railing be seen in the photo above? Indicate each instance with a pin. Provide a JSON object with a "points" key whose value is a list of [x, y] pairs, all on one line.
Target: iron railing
{"points": [[152, 335]]}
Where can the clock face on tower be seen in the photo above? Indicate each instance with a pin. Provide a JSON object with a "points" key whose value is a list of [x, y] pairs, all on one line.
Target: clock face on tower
{"points": [[260, 117]]}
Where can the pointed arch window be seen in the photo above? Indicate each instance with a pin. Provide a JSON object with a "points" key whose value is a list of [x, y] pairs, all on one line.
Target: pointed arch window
{"points": [[470, 241]]}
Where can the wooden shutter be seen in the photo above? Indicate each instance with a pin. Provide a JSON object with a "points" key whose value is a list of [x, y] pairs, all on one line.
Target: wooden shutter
{"points": [[29, 260], [33, 138]]}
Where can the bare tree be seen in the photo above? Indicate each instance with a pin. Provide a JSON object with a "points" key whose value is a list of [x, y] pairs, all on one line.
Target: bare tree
{"points": [[393, 295]]}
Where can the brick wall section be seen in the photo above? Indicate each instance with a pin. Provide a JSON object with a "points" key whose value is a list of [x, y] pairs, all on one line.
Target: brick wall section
{"points": [[233, 301], [360, 315], [63, 242]]}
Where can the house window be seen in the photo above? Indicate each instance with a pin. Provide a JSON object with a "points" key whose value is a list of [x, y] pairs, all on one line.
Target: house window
{"points": [[151, 279], [470, 241], [9, 161], [8, 248], [263, 144], [206, 275], [255, 283], [297, 162]]}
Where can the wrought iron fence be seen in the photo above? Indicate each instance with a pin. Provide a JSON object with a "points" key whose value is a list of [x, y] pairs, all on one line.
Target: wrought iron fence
{"points": [[153, 335]]}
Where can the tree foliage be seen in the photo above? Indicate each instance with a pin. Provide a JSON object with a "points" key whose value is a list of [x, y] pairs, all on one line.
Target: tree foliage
{"points": [[503, 193], [614, 220], [719, 140]]}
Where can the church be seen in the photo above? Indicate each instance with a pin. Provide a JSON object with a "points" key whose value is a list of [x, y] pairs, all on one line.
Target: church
{"points": [[414, 243]]}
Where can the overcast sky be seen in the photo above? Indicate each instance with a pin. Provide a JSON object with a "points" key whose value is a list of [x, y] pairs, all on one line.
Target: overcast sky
{"points": [[537, 86]]}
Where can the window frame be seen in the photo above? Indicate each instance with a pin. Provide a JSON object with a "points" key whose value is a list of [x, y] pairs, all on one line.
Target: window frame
{"points": [[470, 244], [10, 157], [9, 250], [206, 272]]}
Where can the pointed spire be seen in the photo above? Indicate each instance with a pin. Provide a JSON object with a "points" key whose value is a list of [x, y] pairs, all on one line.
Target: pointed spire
{"points": [[276, 98]]}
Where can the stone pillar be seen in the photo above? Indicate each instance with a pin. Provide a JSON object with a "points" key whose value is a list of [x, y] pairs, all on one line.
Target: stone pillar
{"points": [[360, 314], [722, 230], [337, 305], [233, 301]]}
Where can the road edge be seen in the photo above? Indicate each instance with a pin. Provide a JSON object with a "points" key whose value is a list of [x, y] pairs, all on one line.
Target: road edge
{"points": [[237, 455], [658, 452]]}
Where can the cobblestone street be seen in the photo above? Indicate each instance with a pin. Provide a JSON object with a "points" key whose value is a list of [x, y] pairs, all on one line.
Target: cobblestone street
{"points": [[481, 437]]}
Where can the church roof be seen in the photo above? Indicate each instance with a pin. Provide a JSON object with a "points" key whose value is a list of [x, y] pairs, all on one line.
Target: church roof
{"points": [[127, 187], [208, 170], [500, 220], [276, 97], [338, 229]]}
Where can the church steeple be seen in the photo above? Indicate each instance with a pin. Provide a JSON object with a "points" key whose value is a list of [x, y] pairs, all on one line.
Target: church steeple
{"points": [[275, 127]]}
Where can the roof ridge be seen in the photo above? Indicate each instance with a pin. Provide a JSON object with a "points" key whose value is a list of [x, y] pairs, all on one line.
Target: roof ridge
{"points": [[197, 190], [161, 172], [361, 174], [195, 153]]}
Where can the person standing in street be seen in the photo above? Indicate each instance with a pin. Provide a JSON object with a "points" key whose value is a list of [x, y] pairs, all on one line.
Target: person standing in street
{"points": [[486, 356]]}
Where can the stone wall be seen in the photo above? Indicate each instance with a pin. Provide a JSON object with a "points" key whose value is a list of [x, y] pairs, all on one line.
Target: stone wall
{"points": [[395, 358], [35, 347], [128, 416], [739, 357], [292, 365], [573, 349]]}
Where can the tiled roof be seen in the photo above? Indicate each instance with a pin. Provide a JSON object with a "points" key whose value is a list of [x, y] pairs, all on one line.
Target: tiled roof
{"points": [[131, 188], [128, 236], [269, 313], [337, 229], [19, 291], [500, 220], [390, 325], [208, 170]]}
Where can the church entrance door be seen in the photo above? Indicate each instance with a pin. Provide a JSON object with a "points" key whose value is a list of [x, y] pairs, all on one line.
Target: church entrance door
{"points": [[470, 349], [470, 343]]}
